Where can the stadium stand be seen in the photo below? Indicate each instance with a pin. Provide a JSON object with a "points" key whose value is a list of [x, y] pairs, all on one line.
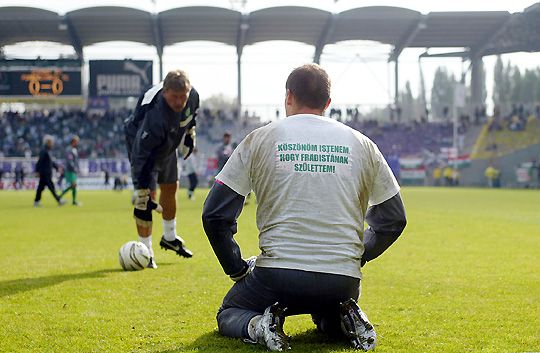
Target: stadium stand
{"points": [[102, 136], [502, 136], [406, 139], [102, 139]]}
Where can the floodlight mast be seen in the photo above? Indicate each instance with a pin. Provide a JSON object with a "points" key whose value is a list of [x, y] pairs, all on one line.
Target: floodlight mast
{"points": [[235, 4], [240, 42], [406, 39]]}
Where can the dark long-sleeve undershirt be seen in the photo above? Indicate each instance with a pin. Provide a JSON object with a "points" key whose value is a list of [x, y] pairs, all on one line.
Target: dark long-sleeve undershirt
{"points": [[386, 222], [221, 210]]}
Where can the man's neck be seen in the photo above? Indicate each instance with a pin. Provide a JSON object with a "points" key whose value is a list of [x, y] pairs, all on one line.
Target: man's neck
{"points": [[306, 111]]}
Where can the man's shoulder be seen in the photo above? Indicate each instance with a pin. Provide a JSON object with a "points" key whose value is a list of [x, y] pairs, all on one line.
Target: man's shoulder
{"points": [[155, 114], [150, 96], [360, 136], [345, 127], [193, 95], [260, 133], [192, 104]]}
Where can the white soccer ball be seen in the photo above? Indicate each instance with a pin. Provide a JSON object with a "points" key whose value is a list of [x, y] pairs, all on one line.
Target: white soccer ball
{"points": [[134, 256]]}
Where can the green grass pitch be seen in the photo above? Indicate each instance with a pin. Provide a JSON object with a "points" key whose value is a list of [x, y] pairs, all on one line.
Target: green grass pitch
{"points": [[464, 277]]}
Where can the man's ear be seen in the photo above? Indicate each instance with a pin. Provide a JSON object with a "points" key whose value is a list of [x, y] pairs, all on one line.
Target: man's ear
{"points": [[289, 98], [327, 104]]}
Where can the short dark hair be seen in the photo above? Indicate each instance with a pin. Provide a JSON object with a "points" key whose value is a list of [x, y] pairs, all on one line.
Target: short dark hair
{"points": [[177, 80], [310, 85]]}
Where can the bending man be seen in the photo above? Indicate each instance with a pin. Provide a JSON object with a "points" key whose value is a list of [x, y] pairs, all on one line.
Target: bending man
{"points": [[164, 120]]}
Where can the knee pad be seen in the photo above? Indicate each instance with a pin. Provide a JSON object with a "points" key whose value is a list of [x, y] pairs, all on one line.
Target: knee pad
{"points": [[143, 218]]}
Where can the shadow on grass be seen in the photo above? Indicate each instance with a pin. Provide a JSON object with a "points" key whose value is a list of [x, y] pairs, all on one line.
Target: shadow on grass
{"points": [[309, 341], [15, 286]]}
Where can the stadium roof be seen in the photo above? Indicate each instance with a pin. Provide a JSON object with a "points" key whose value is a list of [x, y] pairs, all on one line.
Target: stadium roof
{"points": [[301, 24], [20, 24], [486, 32], [100, 24]]}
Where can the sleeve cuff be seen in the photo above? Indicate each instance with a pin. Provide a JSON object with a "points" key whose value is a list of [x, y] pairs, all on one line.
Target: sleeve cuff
{"points": [[234, 186], [384, 197]]}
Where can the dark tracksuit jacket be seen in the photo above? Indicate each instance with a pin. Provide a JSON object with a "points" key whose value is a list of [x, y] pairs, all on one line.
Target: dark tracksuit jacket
{"points": [[45, 164], [44, 167], [153, 132]]}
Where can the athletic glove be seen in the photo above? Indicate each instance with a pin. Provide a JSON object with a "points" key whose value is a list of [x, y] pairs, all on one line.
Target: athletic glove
{"points": [[140, 199], [248, 268], [189, 143]]}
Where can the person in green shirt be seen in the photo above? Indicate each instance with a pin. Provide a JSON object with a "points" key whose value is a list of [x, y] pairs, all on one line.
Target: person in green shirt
{"points": [[72, 169]]}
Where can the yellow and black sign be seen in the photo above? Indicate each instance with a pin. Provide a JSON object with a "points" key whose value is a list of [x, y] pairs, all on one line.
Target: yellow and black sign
{"points": [[37, 82], [45, 83]]}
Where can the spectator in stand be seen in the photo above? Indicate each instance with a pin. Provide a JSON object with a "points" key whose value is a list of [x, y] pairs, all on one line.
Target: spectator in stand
{"points": [[106, 176], [477, 116], [456, 175], [224, 151], [19, 176], [516, 124], [447, 174], [535, 171], [437, 176], [538, 175], [492, 176]]}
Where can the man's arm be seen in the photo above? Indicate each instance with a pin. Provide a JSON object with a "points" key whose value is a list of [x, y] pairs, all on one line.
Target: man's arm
{"points": [[386, 223], [39, 164], [52, 162], [221, 210], [190, 139], [149, 137]]}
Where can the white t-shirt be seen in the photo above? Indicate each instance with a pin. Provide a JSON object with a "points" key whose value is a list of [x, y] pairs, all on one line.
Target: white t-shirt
{"points": [[313, 178], [191, 165]]}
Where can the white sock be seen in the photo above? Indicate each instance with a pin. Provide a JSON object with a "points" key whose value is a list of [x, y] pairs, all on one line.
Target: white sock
{"points": [[148, 242], [169, 229], [252, 325]]}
